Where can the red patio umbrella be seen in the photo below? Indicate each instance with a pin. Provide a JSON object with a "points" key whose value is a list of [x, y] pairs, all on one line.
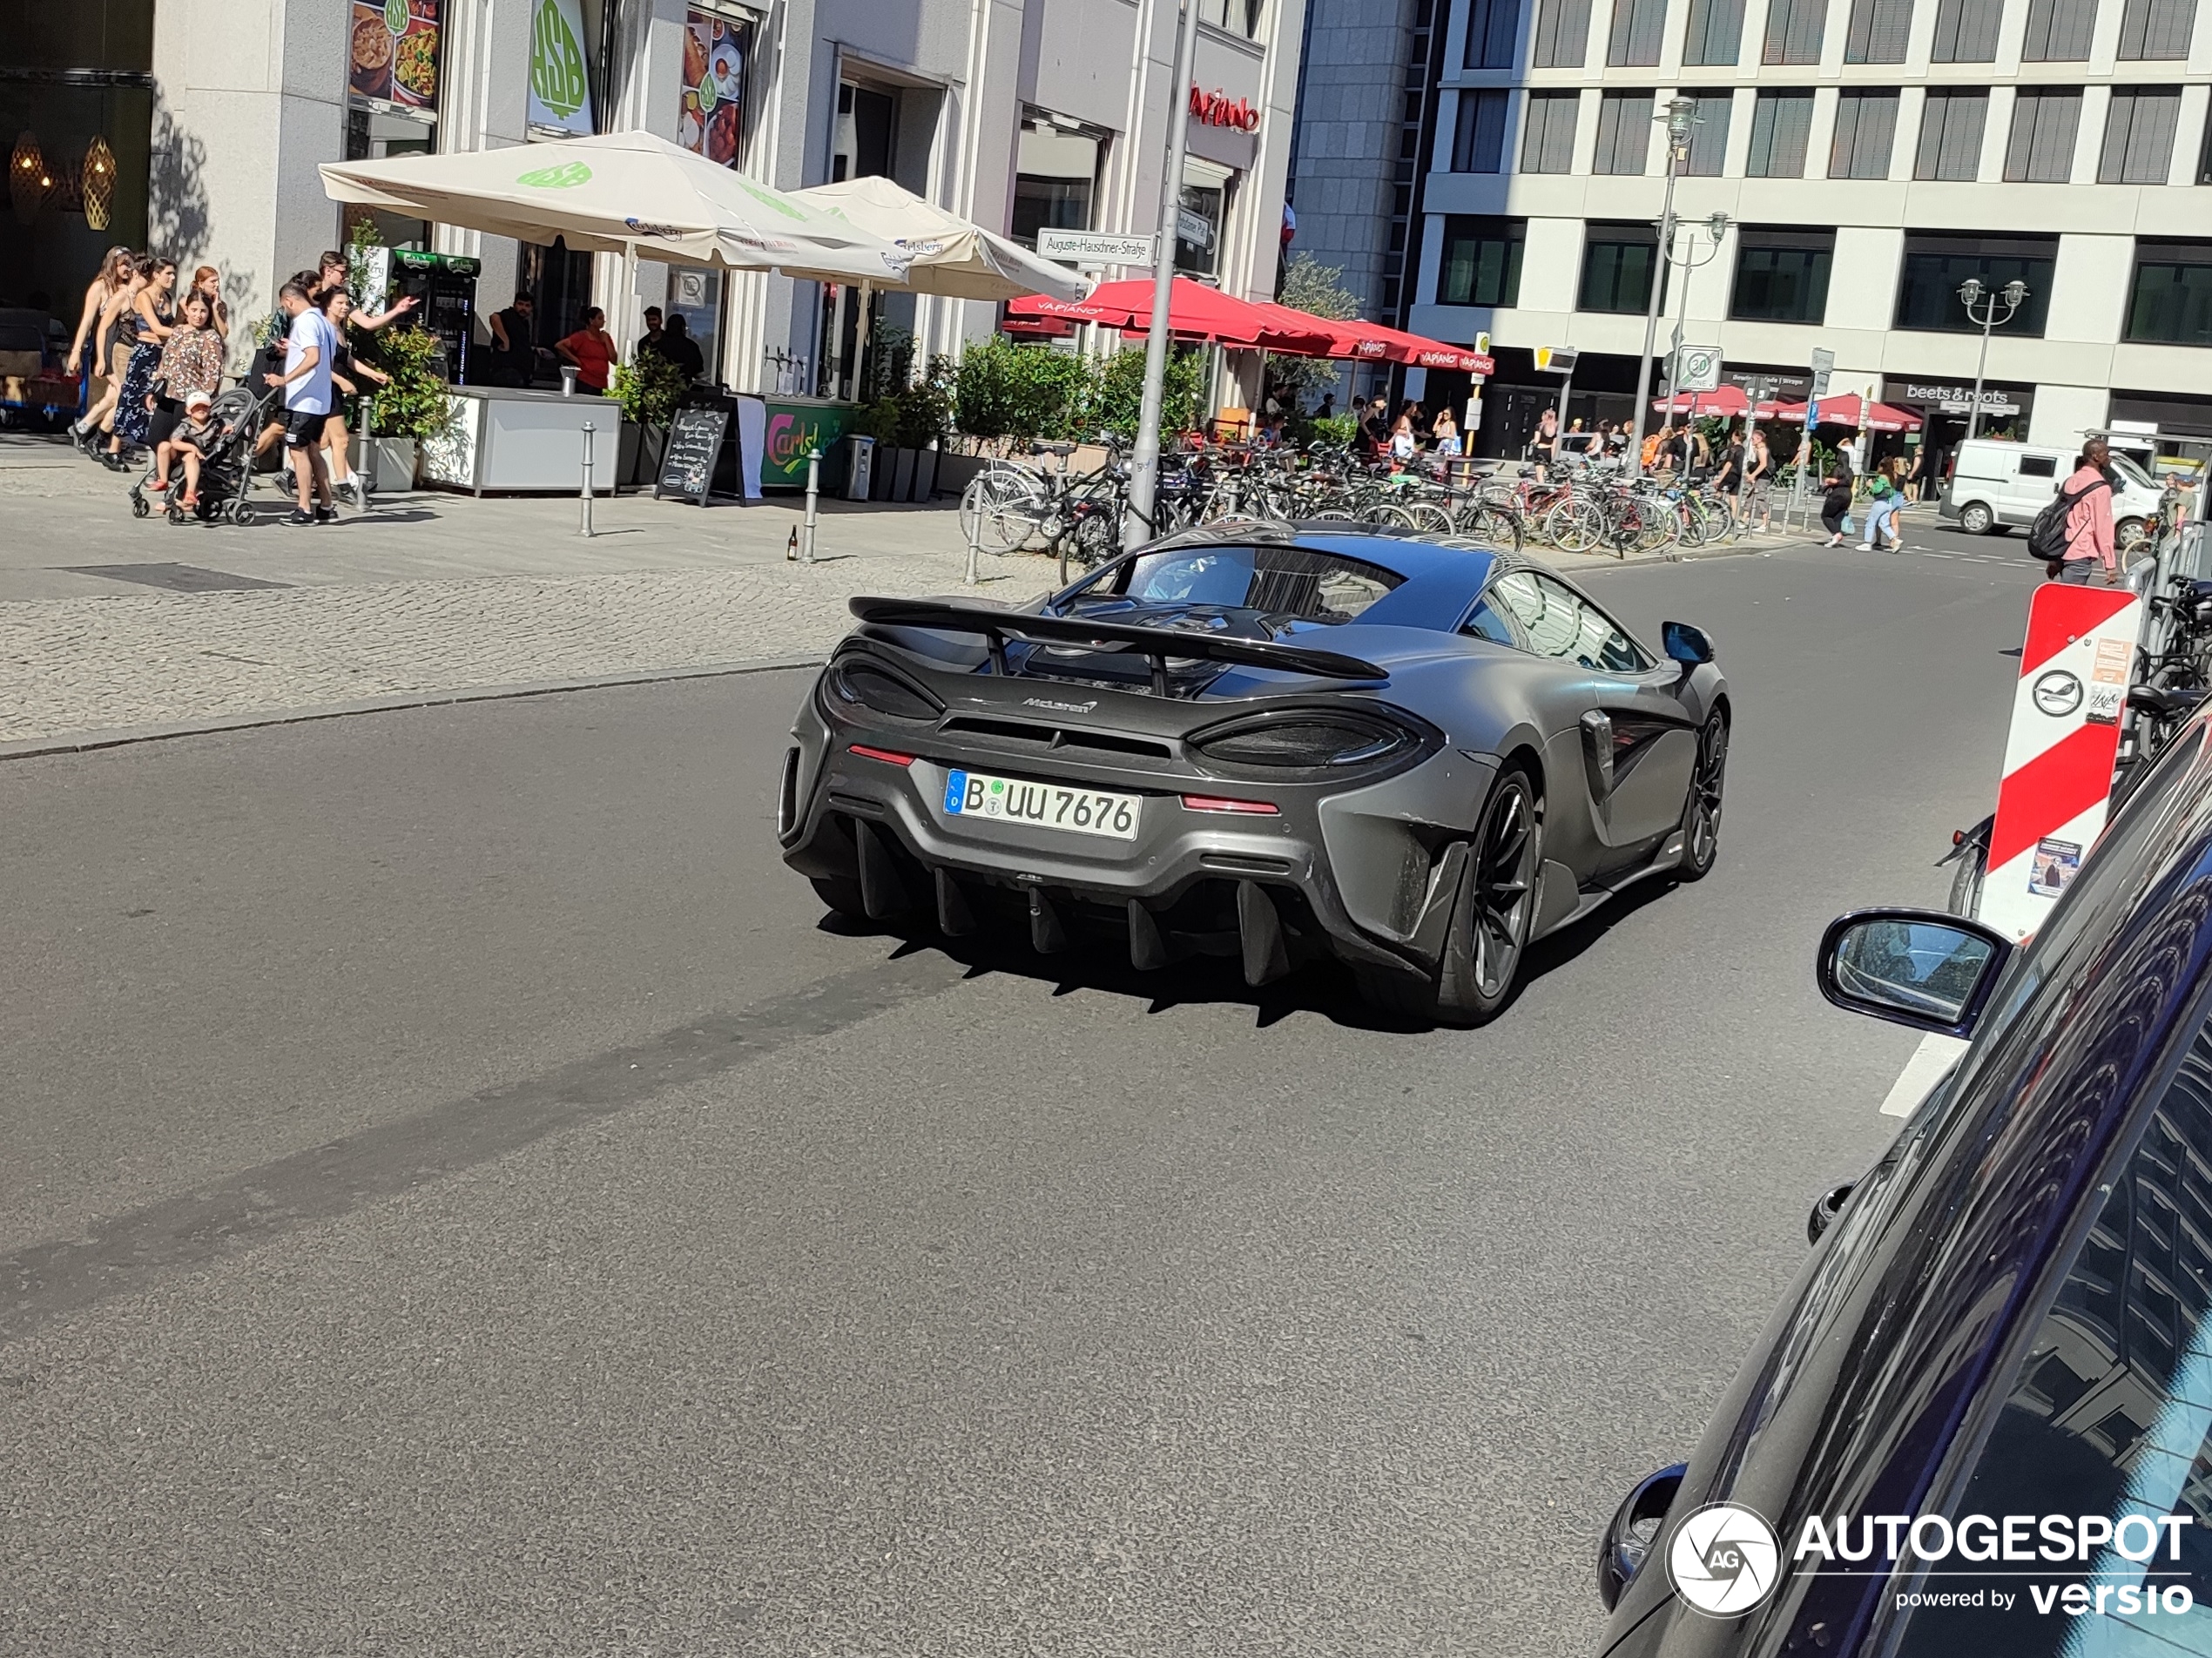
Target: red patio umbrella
{"points": [[1728, 403], [1195, 312], [1373, 342], [1845, 411]]}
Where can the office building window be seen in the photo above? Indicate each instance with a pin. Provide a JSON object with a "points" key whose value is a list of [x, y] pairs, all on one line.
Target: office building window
{"points": [[1935, 264], [1490, 26], [1238, 16], [1548, 132], [1781, 274], [1562, 34], [1708, 137], [1793, 31], [1638, 28], [1865, 131], [1951, 128], [1479, 140], [1055, 169], [2044, 125], [1714, 34], [1878, 31], [1481, 261], [2139, 135], [1966, 31], [2169, 303], [1205, 210], [1624, 133], [1781, 129], [1616, 267], [2059, 32], [2154, 30]]}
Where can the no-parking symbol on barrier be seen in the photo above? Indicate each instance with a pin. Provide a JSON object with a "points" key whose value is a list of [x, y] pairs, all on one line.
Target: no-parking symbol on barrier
{"points": [[2051, 806]]}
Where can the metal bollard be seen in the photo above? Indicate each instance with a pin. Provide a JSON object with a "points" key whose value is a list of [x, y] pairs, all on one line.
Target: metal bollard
{"points": [[813, 495], [364, 473], [975, 550], [584, 528]]}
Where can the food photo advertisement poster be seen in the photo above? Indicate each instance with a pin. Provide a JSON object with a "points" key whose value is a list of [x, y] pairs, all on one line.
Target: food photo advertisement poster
{"points": [[715, 50], [395, 52]]}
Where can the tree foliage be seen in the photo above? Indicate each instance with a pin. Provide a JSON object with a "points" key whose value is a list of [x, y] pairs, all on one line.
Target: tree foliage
{"points": [[1308, 284], [1009, 388]]}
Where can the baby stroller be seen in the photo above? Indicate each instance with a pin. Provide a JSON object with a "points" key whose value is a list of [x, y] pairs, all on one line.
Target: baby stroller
{"points": [[225, 466]]}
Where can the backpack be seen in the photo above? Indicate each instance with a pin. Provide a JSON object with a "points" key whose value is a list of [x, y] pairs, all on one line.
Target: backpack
{"points": [[2046, 537]]}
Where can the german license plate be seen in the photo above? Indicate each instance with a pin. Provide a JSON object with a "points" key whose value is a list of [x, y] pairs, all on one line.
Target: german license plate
{"points": [[1042, 805]]}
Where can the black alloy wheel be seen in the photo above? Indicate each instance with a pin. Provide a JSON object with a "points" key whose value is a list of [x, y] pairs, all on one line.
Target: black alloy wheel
{"points": [[1503, 894], [1701, 813]]}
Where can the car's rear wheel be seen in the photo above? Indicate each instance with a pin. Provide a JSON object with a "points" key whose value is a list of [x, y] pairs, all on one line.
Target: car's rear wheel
{"points": [[1701, 813], [1491, 915]]}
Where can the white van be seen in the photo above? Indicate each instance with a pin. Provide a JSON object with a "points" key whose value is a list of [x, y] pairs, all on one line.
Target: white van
{"points": [[1998, 484]]}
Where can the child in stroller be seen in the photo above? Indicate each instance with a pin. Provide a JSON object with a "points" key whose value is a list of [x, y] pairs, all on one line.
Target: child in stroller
{"points": [[218, 463], [186, 446]]}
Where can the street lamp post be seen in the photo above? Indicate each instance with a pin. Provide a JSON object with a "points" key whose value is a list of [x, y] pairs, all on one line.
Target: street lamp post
{"points": [[1716, 228], [1972, 293], [1682, 115], [1144, 455]]}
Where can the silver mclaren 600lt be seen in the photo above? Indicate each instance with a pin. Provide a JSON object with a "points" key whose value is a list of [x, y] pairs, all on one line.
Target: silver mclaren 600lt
{"points": [[1271, 742]]}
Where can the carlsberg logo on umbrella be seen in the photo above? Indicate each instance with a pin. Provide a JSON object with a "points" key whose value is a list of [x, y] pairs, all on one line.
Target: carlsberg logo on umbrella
{"points": [[557, 66], [567, 177]]}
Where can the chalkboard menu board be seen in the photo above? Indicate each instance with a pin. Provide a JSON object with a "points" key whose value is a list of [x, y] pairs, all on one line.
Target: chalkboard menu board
{"points": [[701, 458]]}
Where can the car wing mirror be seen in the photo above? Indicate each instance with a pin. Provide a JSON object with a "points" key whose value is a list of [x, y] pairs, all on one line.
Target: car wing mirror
{"points": [[1924, 968], [1691, 647], [1634, 1526]]}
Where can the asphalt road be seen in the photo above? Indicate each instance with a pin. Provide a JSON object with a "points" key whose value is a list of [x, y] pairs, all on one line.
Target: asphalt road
{"points": [[457, 1199]]}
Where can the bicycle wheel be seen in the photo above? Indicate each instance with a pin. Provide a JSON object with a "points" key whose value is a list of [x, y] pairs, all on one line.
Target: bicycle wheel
{"points": [[1000, 509], [1574, 526], [1490, 526]]}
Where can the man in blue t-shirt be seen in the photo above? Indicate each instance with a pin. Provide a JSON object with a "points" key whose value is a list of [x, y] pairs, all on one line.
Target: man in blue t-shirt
{"points": [[310, 348]]}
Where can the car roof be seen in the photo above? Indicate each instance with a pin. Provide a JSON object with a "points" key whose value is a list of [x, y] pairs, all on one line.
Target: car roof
{"points": [[1441, 575]]}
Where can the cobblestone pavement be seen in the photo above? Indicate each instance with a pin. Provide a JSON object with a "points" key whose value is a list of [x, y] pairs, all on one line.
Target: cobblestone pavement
{"points": [[69, 667], [429, 595]]}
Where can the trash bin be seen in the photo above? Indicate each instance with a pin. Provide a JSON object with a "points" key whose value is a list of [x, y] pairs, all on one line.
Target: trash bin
{"points": [[859, 467]]}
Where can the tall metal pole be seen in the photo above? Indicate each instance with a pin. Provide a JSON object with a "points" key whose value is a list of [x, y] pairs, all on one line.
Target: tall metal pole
{"points": [[1981, 368], [1144, 459], [1681, 112]]}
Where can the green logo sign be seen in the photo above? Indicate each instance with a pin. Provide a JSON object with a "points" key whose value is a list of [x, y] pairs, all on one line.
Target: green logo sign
{"points": [[395, 16], [567, 177], [768, 198], [557, 66], [707, 93]]}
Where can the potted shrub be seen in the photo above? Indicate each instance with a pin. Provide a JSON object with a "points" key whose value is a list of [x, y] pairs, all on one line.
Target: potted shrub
{"points": [[414, 409], [925, 415], [648, 389]]}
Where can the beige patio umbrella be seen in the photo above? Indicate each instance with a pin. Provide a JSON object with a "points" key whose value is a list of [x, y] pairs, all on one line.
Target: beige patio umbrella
{"points": [[627, 193], [950, 256]]}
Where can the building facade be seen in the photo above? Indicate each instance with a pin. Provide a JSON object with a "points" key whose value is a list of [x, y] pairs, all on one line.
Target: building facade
{"points": [[1868, 155], [1015, 114]]}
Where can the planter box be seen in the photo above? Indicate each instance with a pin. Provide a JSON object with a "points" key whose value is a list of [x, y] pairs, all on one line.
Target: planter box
{"points": [[391, 462], [955, 472], [902, 474], [638, 461], [925, 475]]}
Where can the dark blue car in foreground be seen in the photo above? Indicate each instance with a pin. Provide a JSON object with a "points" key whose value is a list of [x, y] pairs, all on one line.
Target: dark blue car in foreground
{"points": [[1981, 1422]]}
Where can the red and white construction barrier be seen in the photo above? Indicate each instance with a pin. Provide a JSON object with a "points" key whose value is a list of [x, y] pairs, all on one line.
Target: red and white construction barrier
{"points": [[2051, 806]]}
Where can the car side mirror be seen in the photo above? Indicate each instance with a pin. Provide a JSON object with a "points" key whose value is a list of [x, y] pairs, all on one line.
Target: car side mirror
{"points": [[1634, 1526], [1924, 969], [1689, 646]]}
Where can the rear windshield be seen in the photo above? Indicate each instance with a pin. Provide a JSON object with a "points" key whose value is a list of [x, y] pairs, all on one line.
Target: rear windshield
{"points": [[1295, 583]]}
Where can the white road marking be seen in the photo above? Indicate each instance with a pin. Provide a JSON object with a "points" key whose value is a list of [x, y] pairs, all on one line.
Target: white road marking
{"points": [[1931, 1062]]}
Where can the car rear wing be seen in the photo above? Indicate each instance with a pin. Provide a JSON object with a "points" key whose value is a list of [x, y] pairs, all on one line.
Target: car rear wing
{"points": [[1157, 646]]}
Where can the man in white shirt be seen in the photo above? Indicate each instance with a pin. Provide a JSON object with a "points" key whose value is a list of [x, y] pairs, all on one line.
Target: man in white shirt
{"points": [[309, 350]]}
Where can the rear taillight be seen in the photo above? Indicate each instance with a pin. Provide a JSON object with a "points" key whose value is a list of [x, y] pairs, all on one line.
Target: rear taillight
{"points": [[889, 757], [1215, 803]]}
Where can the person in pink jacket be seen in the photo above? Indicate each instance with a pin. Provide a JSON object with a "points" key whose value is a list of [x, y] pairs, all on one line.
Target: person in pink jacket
{"points": [[2088, 525]]}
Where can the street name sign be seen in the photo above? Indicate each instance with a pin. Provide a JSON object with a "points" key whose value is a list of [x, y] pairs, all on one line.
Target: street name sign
{"points": [[1095, 247]]}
